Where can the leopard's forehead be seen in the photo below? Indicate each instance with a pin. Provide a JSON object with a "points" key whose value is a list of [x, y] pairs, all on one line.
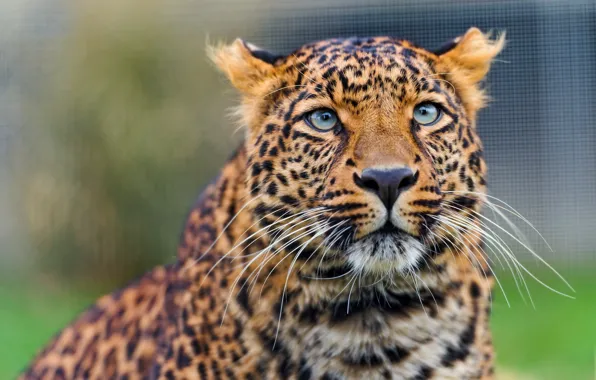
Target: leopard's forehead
{"points": [[366, 73], [383, 52]]}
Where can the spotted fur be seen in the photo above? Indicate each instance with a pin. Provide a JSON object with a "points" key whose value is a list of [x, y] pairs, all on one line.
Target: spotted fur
{"points": [[290, 267]]}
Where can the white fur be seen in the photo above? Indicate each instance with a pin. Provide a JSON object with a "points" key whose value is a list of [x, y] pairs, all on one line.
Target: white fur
{"points": [[393, 253]]}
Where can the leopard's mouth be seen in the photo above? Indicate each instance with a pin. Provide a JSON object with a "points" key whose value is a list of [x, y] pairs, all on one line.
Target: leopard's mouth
{"points": [[387, 249]]}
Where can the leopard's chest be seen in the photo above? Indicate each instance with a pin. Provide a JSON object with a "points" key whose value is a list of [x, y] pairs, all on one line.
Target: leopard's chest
{"points": [[431, 339]]}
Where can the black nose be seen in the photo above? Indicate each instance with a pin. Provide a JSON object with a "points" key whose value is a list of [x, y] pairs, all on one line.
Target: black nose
{"points": [[388, 184]]}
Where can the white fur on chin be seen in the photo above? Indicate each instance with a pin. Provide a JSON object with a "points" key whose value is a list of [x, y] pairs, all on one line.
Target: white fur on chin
{"points": [[381, 254]]}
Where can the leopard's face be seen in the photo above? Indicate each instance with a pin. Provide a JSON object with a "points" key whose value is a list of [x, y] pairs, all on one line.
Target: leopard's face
{"points": [[364, 149]]}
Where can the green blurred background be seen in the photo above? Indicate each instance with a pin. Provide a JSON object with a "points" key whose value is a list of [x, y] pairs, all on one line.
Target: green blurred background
{"points": [[112, 119]]}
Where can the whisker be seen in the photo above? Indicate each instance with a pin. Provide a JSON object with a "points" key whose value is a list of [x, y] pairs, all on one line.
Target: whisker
{"points": [[322, 231], [502, 247], [331, 244], [237, 279], [312, 229], [442, 220], [534, 254], [426, 286], [226, 227], [510, 209], [324, 241], [262, 230], [491, 270]]}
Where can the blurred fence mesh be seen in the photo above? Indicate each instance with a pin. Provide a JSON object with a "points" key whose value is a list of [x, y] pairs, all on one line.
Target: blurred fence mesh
{"points": [[119, 119]]}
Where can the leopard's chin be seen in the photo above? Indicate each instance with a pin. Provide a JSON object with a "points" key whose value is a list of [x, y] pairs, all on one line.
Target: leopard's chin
{"points": [[384, 252]]}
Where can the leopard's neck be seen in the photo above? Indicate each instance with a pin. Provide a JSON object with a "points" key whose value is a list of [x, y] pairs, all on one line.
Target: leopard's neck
{"points": [[344, 323]]}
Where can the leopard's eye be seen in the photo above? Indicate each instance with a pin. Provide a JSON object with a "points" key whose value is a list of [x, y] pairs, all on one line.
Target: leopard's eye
{"points": [[322, 119], [427, 114]]}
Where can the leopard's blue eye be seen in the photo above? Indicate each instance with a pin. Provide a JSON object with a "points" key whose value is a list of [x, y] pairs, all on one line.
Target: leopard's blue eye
{"points": [[427, 114], [323, 119]]}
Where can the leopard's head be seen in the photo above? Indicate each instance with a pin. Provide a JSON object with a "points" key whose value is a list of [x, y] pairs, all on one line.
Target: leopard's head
{"points": [[363, 149]]}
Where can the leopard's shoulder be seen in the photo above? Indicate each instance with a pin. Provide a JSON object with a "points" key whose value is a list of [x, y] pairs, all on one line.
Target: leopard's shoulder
{"points": [[118, 335]]}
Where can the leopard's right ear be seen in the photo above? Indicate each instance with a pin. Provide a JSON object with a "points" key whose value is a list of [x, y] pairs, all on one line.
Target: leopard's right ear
{"points": [[246, 66]]}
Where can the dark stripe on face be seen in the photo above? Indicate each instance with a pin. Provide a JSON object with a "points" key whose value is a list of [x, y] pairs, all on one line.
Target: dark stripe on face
{"points": [[464, 202], [430, 203], [315, 139], [287, 199], [347, 206]]}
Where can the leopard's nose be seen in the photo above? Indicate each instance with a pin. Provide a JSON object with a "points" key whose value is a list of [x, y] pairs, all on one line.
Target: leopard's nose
{"points": [[388, 184]]}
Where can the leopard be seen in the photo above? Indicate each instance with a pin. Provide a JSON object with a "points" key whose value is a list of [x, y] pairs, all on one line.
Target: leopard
{"points": [[339, 241]]}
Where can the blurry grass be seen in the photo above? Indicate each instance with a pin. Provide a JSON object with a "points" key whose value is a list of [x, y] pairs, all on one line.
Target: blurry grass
{"points": [[29, 318], [554, 341], [557, 339]]}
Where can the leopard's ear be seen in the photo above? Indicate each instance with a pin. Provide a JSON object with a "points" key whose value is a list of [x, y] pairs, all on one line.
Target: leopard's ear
{"points": [[246, 66], [471, 55]]}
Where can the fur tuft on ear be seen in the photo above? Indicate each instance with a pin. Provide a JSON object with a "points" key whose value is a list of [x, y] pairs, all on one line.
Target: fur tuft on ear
{"points": [[467, 60], [245, 65], [473, 53]]}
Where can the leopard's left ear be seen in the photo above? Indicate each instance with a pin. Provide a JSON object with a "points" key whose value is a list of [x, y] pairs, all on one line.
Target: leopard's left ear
{"points": [[471, 54], [246, 66]]}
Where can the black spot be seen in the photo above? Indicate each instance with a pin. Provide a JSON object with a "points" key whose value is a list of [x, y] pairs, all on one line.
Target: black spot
{"points": [[230, 373], [196, 347], [464, 202], [395, 354], [183, 360], [282, 179], [368, 359], [60, 374], [263, 148], [269, 128], [131, 346], [272, 188], [394, 303], [330, 376], [243, 300], [298, 134], [462, 350], [309, 314], [288, 199], [304, 371], [285, 366], [286, 131], [430, 203], [256, 169], [424, 373], [350, 162], [281, 144], [475, 291]]}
